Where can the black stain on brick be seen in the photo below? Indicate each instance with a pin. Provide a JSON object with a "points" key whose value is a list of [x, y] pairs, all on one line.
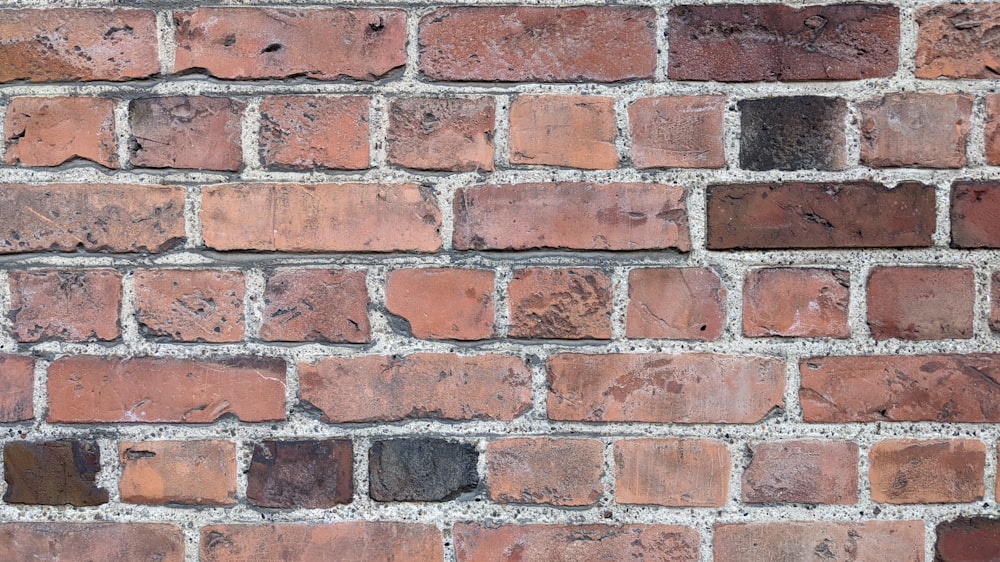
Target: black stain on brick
{"points": [[53, 473], [423, 469], [792, 133], [310, 474]]}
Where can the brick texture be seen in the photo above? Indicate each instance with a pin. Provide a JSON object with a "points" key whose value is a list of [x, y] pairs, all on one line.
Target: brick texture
{"points": [[677, 303], [802, 471], [835, 541], [17, 378], [895, 129], [316, 305], [953, 41], [170, 132], [178, 472], [796, 302], [932, 471], [920, 303], [974, 205], [309, 474], [189, 305], [309, 132], [570, 131], [671, 472], [94, 541], [52, 131], [443, 303], [365, 541], [678, 132], [448, 134], [78, 305], [560, 303], [563, 472]]}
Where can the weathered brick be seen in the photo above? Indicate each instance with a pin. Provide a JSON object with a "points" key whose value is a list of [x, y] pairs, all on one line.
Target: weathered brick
{"points": [[92, 541], [820, 215], [690, 388], [995, 301], [746, 43], [17, 379], [91, 389], [53, 473], [324, 305], [675, 302], [322, 44], [557, 471], [423, 385], [967, 539], [992, 130], [178, 472], [443, 303], [895, 129], [671, 472], [446, 134], [53, 131], [190, 305], [796, 302], [802, 471], [921, 303], [421, 469], [830, 541], [975, 206], [905, 471], [561, 130], [309, 132], [309, 474], [560, 303], [538, 44], [793, 133], [175, 132], [678, 132], [72, 305], [955, 41]]}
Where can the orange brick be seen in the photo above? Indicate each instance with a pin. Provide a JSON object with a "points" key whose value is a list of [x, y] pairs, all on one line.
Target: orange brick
{"points": [[92, 541], [76, 305], [796, 302], [671, 472], [178, 472], [831, 541], [557, 130], [190, 305], [954, 41], [560, 303], [560, 471], [676, 303], [17, 379], [316, 305], [443, 303], [448, 134], [678, 132], [921, 303], [52, 131], [801, 471], [907, 471], [176, 132], [308, 132], [895, 129]]}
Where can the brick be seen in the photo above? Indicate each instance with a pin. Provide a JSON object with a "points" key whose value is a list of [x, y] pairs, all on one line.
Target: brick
{"points": [[91, 389], [321, 218], [559, 130], [955, 41], [992, 129], [921, 303], [676, 302], [323, 305], [307, 474], [173, 132], [92, 541], [309, 132], [190, 305], [536, 44], [422, 385], [443, 303], [796, 302], [560, 303], [975, 206], [995, 301], [558, 471], [475, 542], [793, 133], [17, 381], [895, 129], [53, 131], [832, 541], [422, 469], [72, 305], [360, 541], [671, 472], [630, 216], [53, 473], [802, 471], [908, 471], [178, 472], [321, 44], [661, 388], [60, 44], [769, 42], [92, 217], [819, 215], [441, 134], [678, 132], [967, 539]]}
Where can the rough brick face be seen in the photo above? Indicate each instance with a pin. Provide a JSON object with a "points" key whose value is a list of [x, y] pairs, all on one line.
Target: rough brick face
{"points": [[172, 132], [974, 208], [796, 302], [178, 472], [955, 41], [995, 301], [895, 130], [676, 303], [52, 131], [443, 303], [678, 132], [53, 473], [93, 541], [309, 132], [309, 474], [563, 472], [17, 376], [187, 305], [316, 305], [671, 472], [993, 129], [932, 471], [833, 541], [560, 303], [423, 469], [793, 133], [811, 472], [967, 539], [446, 134], [77, 305], [570, 131], [921, 303]]}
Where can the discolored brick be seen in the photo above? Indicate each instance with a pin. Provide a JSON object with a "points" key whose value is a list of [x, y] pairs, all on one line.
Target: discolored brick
{"points": [[802, 471], [92, 541], [967, 539], [173, 132], [992, 129], [422, 469], [678, 132], [830, 541], [975, 206], [308, 474], [671, 472], [443, 303], [53, 473], [178, 472], [557, 471], [53, 131], [995, 301], [676, 303], [310, 132], [560, 303], [190, 305], [560, 130], [796, 302], [446, 134], [17, 380], [895, 129], [324, 305], [74, 305], [955, 41], [793, 133], [909, 471], [921, 303]]}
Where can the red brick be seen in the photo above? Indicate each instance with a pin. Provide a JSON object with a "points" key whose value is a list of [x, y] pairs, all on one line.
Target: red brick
{"points": [[967, 539], [906, 471], [321, 218], [61, 44], [560, 303], [535, 44], [746, 43], [975, 206], [895, 129], [90, 389], [92, 541], [446, 134], [322, 305], [559, 471], [75, 305], [557, 130], [52, 131], [831, 541], [796, 302], [675, 302], [955, 41], [820, 215], [309, 132], [423, 385], [678, 132], [17, 380], [995, 301], [993, 129], [307, 474], [175, 132], [322, 44], [672, 472], [629, 216], [661, 388], [443, 303], [178, 472], [921, 303], [811, 472], [190, 305]]}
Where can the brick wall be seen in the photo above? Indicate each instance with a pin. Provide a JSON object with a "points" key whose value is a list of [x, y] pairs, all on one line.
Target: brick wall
{"points": [[465, 283]]}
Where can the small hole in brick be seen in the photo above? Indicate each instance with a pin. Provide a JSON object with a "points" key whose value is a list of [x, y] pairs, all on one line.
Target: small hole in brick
{"points": [[229, 41], [273, 47], [703, 327]]}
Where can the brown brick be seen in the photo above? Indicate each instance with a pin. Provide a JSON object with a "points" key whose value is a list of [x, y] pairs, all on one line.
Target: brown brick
{"points": [[975, 206], [59, 44], [671, 472], [921, 303], [178, 472], [678, 132], [190, 305], [895, 129], [559, 130], [746, 43], [322, 44], [53, 473], [676, 303], [307, 474], [74, 305], [175, 132], [801, 471], [309, 132], [422, 385], [52, 131], [321, 218], [560, 303], [690, 388], [90, 389], [629, 216], [92, 541], [955, 41], [793, 133], [17, 381], [819, 215], [995, 301], [536, 44], [324, 305], [993, 129], [796, 302], [443, 303], [905, 471], [967, 539], [830, 541], [556, 471], [446, 134]]}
